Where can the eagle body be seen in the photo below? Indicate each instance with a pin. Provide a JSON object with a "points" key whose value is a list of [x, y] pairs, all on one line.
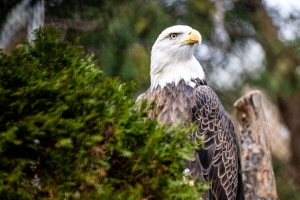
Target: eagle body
{"points": [[179, 90]]}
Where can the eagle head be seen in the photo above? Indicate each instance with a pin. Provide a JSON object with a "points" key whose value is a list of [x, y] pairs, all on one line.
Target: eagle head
{"points": [[172, 57]]}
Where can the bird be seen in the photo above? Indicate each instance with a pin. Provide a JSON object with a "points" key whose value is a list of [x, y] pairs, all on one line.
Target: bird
{"points": [[180, 92]]}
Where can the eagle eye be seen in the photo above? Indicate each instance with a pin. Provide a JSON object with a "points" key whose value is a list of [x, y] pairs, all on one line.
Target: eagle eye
{"points": [[173, 36]]}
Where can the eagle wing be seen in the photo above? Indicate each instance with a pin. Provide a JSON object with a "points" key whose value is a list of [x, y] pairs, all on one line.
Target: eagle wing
{"points": [[218, 161]]}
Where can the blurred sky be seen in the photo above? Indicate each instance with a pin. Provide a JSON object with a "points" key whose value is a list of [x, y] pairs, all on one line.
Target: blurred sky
{"points": [[251, 59], [288, 29], [285, 6]]}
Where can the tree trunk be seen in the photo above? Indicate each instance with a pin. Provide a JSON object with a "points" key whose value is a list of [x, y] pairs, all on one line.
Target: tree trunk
{"points": [[254, 134], [282, 59]]}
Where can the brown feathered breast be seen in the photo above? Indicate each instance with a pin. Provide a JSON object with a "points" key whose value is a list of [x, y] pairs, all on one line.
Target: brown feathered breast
{"points": [[218, 162]]}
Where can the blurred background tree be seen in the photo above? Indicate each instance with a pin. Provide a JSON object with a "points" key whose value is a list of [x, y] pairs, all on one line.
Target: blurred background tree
{"points": [[247, 44]]}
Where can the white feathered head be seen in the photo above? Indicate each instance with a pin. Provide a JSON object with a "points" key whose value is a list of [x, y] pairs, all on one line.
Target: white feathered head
{"points": [[172, 57]]}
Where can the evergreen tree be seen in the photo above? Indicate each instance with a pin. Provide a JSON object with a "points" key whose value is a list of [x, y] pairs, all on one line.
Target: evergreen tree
{"points": [[69, 132]]}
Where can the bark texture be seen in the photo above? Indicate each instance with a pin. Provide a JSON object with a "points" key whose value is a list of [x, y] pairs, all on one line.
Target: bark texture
{"points": [[254, 133], [282, 60]]}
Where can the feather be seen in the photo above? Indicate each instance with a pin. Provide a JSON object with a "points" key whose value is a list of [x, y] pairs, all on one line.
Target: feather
{"points": [[179, 89], [219, 155]]}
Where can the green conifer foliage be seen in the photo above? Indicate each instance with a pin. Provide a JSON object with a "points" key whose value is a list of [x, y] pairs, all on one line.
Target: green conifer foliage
{"points": [[68, 132]]}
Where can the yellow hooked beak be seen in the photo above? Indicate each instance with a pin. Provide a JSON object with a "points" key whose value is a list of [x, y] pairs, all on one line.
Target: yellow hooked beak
{"points": [[193, 37]]}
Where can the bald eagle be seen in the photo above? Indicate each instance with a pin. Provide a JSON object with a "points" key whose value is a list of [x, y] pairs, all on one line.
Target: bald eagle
{"points": [[179, 89]]}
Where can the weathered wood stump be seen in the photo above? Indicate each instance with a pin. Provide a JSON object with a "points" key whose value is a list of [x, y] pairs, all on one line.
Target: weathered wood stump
{"points": [[254, 136]]}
